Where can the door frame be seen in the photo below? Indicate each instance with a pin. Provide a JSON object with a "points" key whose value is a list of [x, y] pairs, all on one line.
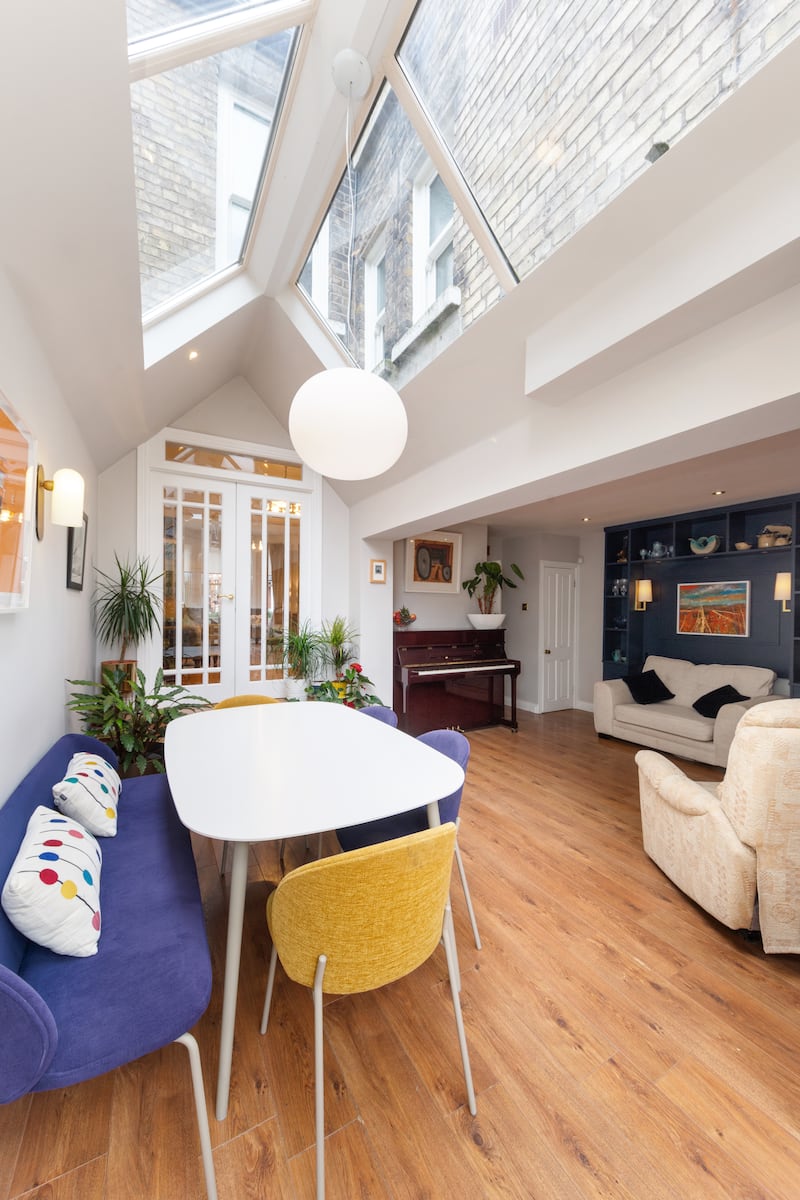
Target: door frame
{"points": [[544, 564], [151, 461]]}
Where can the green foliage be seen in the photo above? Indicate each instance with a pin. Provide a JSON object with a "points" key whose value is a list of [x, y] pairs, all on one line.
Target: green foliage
{"points": [[350, 689], [129, 718], [126, 609], [487, 580], [303, 651], [337, 643]]}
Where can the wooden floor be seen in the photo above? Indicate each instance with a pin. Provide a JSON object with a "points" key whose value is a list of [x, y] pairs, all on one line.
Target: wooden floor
{"points": [[623, 1044]]}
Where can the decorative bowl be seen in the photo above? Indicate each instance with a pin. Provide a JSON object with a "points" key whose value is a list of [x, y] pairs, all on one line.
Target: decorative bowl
{"points": [[744, 546], [704, 545]]}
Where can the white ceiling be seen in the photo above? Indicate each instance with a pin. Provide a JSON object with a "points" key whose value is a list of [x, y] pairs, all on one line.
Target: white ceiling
{"points": [[70, 248]]}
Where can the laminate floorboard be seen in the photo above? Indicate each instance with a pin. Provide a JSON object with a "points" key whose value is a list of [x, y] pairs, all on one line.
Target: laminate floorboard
{"points": [[624, 1045]]}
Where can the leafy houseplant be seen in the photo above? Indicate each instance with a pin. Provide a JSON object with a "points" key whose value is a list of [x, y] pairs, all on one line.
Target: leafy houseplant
{"points": [[129, 718], [303, 650], [487, 581], [336, 639], [349, 689], [126, 608]]}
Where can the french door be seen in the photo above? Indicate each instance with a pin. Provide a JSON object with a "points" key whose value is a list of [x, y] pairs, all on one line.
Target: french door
{"points": [[233, 581]]}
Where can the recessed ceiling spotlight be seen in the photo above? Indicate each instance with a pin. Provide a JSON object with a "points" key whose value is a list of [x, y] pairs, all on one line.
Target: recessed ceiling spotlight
{"points": [[585, 519], [193, 354], [719, 492]]}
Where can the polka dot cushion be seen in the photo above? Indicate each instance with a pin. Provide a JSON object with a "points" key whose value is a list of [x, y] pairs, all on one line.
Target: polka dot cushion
{"points": [[89, 792], [52, 893]]}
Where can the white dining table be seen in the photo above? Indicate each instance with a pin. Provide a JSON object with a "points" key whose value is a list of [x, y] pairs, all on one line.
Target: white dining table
{"points": [[271, 771]]}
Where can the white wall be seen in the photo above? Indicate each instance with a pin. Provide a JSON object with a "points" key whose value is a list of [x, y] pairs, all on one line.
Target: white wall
{"points": [[51, 641]]}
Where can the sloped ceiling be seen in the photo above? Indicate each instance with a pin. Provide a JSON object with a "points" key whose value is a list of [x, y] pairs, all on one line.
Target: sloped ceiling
{"points": [[69, 246]]}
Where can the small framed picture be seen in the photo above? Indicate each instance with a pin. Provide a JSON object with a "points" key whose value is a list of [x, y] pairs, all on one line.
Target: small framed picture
{"points": [[377, 570], [76, 554]]}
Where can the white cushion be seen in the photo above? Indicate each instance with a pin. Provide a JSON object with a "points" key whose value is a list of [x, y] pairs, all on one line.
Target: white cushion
{"points": [[89, 792], [667, 717], [52, 892], [689, 681]]}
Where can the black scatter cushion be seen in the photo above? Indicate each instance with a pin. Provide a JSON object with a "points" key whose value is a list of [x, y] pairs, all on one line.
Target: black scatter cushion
{"points": [[647, 688], [710, 704]]}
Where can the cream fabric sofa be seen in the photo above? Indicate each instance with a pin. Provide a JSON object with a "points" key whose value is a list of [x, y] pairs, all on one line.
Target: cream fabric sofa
{"points": [[726, 845], [673, 725]]}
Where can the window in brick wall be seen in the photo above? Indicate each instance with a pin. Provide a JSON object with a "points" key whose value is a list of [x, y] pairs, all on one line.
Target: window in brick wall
{"points": [[202, 133], [405, 273], [434, 225], [375, 305]]}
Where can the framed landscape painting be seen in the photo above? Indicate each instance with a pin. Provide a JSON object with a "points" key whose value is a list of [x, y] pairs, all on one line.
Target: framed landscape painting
{"points": [[714, 609], [17, 469]]}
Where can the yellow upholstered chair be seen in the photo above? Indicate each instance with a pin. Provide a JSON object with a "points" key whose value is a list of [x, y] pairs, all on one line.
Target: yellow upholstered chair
{"points": [[236, 702], [356, 921]]}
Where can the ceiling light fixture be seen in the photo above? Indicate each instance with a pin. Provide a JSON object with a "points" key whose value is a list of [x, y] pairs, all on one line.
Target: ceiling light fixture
{"points": [[719, 492], [193, 354], [348, 423]]}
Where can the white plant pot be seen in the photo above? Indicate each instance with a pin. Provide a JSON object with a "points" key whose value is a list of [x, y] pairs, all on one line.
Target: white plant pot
{"points": [[486, 620], [296, 689]]}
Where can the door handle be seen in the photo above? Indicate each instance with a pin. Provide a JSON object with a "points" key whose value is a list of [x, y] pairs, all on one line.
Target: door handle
{"points": [[548, 652], [229, 596]]}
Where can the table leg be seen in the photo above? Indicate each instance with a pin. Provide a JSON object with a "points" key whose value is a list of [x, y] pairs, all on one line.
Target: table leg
{"points": [[231, 986]]}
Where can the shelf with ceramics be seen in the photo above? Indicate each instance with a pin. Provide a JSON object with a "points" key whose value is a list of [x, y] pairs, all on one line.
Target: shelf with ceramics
{"points": [[752, 541]]}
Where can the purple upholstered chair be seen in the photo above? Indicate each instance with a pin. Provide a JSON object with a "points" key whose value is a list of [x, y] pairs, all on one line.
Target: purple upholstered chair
{"points": [[381, 713], [455, 746]]}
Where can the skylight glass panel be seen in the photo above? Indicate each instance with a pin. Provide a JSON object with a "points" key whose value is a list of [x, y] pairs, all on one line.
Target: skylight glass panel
{"points": [[416, 278], [146, 18], [201, 135], [549, 110]]}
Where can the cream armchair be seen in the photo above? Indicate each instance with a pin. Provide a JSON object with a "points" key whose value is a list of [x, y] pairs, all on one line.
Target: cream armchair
{"points": [[734, 847]]}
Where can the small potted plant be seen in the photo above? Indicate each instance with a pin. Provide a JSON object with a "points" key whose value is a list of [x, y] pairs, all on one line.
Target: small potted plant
{"points": [[337, 640], [131, 718], [126, 610], [302, 653], [350, 688], [487, 581]]}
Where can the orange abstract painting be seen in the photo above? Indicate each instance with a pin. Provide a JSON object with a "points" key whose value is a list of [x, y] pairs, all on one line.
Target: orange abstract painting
{"points": [[16, 468], [719, 609]]}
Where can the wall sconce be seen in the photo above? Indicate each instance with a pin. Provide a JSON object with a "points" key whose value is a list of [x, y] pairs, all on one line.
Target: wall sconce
{"points": [[643, 594], [67, 488], [783, 588]]}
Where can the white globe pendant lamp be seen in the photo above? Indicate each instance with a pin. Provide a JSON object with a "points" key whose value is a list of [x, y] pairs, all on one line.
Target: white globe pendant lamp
{"points": [[348, 424]]}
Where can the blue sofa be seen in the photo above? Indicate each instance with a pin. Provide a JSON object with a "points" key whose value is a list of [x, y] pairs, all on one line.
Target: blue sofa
{"points": [[65, 1019]]}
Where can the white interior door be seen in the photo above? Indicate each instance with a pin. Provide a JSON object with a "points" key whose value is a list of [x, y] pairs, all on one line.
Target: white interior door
{"points": [[232, 582], [270, 580], [557, 636]]}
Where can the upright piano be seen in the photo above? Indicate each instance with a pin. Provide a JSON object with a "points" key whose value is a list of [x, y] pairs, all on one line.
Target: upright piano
{"points": [[452, 678]]}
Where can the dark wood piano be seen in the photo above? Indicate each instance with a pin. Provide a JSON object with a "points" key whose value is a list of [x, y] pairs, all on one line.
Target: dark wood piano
{"points": [[452, 677]]}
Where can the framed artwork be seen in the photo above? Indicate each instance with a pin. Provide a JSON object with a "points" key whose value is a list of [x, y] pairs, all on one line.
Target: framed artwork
{"points": [[377, 570], [714, 609], [17, 475], [433, 562], [76, 554]]}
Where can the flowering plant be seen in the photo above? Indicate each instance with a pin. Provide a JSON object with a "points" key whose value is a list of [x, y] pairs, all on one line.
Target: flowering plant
{"points": [[349, 689]]}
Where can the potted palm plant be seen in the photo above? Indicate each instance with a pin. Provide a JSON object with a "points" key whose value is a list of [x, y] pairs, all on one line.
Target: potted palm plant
{"points": [[487, 581], [337, 644], [302, 653], [126, 610]]}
